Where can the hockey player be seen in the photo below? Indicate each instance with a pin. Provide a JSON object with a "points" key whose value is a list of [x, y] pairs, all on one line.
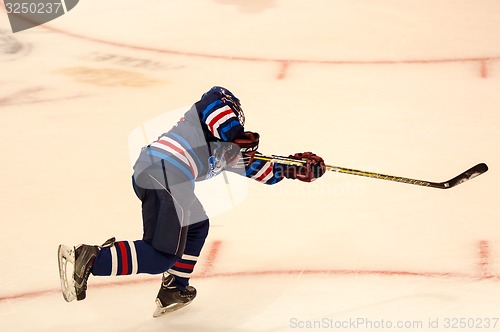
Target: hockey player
{"points": [[209, 138]]}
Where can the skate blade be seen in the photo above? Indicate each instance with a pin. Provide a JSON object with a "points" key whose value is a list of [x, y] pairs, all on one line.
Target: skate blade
{"points": [[160, 311], [66, 258]]}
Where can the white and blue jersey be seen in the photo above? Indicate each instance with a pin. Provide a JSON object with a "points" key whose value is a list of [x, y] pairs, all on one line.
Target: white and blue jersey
{"points": [[193, 149]]}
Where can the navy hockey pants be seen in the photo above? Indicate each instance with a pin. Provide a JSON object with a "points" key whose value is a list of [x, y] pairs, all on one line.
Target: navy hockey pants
{"points": [[166, 244]]}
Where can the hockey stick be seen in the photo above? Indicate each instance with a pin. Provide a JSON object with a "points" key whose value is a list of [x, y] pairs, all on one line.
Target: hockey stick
{"points": [[467, 175]]}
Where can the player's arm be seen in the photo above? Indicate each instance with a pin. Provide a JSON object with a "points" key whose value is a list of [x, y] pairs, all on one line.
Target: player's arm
{"points": [[265, 172], [223, 118], [271, 173], [240, 159]]}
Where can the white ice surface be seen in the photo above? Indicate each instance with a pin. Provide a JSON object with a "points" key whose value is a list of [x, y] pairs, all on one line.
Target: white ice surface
{"points": [[401, 87]]}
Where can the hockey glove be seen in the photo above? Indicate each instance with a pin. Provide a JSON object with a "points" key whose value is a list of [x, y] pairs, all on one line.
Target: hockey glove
{"points": [[248, 145], [313, 167]]}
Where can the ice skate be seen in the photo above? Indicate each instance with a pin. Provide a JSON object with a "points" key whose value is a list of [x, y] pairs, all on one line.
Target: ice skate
{"points": [[75, 265], [170, 298]]}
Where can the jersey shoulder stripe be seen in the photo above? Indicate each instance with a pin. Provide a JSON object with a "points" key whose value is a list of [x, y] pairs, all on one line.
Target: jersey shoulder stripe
{"points": [[178, 151], [172, 160], [221, 120], [207, 111], [217, 118], [188, 148]]}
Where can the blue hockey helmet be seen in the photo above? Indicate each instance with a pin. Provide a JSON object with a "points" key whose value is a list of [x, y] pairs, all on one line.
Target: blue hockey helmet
{"points": [[229, 97]]}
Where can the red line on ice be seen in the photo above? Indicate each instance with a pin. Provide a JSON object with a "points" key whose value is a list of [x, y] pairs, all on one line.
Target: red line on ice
{"points": [[212, 255], [283, 70], [484, 253], [206, 275], [484, 260], [484, 68], [283, 62]]}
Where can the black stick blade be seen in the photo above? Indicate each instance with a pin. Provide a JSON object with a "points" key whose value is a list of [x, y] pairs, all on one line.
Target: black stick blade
{"points": [[465, 176]]}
